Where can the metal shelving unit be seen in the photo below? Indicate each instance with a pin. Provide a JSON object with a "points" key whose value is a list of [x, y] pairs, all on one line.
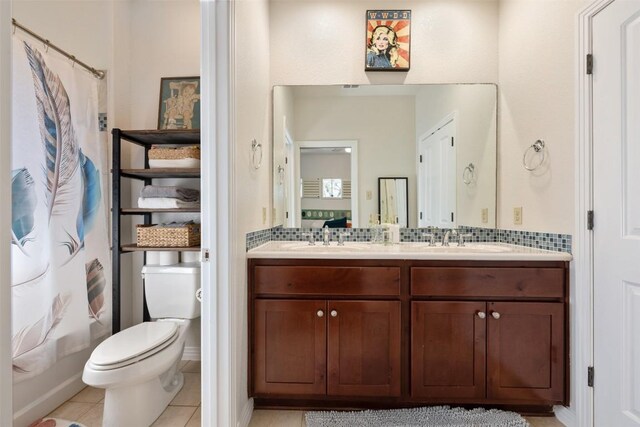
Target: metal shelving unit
{"points": [[145, 139]]}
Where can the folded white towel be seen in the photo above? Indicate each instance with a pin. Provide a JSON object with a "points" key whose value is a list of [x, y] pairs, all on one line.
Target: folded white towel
{"points": [[165, 203], [174, 163]]}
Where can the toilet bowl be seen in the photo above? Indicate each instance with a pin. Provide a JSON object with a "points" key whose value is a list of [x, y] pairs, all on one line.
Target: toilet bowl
{"points": [[139, 367]]}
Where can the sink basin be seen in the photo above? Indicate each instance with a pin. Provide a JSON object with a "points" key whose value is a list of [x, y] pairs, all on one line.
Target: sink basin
{"points": [[319, 247], [467, 248]]}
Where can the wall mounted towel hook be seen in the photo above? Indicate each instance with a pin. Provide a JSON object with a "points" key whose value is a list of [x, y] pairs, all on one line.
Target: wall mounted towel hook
{"points": [[256, 154], [536, 148]]}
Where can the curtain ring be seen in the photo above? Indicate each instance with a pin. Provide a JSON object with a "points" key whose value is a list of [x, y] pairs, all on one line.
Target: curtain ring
{"points": [[46, 46], [469, 174], [537, 147], [256, 149]]}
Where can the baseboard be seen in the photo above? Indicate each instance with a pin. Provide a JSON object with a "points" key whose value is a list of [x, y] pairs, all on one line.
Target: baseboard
{"points": [[48, 401], [247, 412], [191, 353], [565, 415]]}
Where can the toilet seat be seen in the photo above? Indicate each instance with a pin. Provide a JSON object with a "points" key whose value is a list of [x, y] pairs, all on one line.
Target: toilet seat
{"points": [[133, 344]]}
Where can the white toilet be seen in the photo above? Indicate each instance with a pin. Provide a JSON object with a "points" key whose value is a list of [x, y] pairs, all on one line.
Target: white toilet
{"points": [[140, 366]]}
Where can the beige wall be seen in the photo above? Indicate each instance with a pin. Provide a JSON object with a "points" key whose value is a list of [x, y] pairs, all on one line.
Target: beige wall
{"points": [[526, 46], [475, 108], [322, 42], [385, 130], [537, 41], [251, 188]]}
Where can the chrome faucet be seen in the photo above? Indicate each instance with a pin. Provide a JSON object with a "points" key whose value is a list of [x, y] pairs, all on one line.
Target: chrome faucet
{"points": [[341, 237], [447, 234], [326, 236], [310, 238], [431, 237], [461, 238]]}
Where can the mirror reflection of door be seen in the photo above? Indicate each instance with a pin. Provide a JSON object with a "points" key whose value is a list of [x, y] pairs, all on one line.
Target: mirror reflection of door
{"points": [[437, 176], [393, 201], [289, 181], [327, 175]]}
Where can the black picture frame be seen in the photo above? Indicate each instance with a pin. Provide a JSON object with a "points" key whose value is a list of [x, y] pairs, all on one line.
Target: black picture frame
{"points": [[395, 27]]}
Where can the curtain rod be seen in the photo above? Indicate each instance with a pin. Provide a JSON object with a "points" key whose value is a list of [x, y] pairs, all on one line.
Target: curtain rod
{"points": [[97, 73]]}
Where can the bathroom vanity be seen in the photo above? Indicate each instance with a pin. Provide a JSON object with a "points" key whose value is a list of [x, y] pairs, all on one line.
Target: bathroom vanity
{"points": [[405, 325]]}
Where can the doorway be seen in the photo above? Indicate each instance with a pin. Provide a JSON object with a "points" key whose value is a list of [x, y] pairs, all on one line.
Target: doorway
{"points": [[437, 175]]}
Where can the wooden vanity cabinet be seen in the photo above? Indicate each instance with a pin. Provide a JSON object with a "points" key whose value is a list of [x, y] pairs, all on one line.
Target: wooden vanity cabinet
{"points": [[498, 334], [395, 333], [290, 347], [448, 349], [326, 331]]}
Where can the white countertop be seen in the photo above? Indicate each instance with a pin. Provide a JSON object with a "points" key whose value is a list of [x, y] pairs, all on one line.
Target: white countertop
{"points": [[488, 251]]}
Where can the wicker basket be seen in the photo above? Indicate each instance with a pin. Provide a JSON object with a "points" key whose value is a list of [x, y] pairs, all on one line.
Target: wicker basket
{"points": [[163, 153], [174, 237]]}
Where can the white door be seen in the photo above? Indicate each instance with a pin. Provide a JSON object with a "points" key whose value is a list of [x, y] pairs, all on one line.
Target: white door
{"points": [[616, 201], [437, 177]]}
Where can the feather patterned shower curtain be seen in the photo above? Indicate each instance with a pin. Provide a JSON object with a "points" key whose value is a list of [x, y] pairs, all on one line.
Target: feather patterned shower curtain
{"points": [[60, 255]]}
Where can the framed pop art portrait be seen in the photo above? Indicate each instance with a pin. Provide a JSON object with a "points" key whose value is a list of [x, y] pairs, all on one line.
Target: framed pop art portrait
{"points": [[388, 40], [179, 103]]}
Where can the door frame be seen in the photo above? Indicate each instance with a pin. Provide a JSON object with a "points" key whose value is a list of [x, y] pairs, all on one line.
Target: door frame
{"points": [[6, 376], [290, 182], [347, 143], [219, 331], [582, 272]]}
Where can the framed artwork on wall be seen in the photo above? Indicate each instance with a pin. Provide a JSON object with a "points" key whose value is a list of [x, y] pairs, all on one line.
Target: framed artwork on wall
{"points": [[179, 103], [388, 40]]}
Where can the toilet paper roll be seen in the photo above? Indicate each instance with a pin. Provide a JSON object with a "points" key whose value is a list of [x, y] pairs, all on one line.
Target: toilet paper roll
{"points": [[168, 258], [190, 256], [153, 258]]}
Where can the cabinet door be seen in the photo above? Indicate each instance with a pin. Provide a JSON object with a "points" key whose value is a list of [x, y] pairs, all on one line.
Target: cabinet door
{"points": [[525, 356], [364, 348], [290, 347], [448, 349]]}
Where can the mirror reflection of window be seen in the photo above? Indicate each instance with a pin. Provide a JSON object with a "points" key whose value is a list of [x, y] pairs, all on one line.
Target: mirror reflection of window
{"points": [[332, 188]]}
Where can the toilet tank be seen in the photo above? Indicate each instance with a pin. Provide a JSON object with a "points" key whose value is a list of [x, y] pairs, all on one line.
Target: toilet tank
{"points": [[170, 290]]}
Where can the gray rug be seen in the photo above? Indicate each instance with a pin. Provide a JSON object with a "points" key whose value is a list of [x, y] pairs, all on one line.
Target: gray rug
{"points": [[433, 416]]}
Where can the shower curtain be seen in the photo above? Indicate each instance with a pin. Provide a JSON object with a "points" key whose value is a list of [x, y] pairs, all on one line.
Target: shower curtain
{"points": [[61, 267]]}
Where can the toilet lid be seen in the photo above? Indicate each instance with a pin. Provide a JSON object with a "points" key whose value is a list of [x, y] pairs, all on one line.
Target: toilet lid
{"points": [[133, 342]]}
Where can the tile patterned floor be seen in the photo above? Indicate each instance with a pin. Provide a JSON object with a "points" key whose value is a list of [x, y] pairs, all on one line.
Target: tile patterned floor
{"points": [[273, 418], [184, 410]]}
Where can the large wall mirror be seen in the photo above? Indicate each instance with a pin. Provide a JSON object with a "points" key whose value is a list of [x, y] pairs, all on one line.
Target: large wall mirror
{"points": [[332, 144]]}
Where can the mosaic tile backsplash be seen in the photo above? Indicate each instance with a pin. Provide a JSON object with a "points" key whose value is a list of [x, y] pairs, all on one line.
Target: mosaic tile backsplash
{"points": [[548, 241]]}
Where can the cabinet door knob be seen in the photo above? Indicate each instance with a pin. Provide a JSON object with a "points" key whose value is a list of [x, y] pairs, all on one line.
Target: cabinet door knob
{"points": [[334, 313], [495, 315], [482, 314], [320, 313]]}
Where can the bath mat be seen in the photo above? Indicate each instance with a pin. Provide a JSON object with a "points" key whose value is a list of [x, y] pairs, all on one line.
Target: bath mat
{"points": [[433, 416], [55, 422]]}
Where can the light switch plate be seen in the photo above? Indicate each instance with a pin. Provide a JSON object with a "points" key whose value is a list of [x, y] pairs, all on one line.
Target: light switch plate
{"points": [[369, 195], [485, 215], [264, 215], [517, 216]]}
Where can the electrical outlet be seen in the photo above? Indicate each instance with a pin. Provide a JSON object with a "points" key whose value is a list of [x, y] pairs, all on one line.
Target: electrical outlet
{"points": [[369, 194], [264, 215], [485, 215], [517, 216]]}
